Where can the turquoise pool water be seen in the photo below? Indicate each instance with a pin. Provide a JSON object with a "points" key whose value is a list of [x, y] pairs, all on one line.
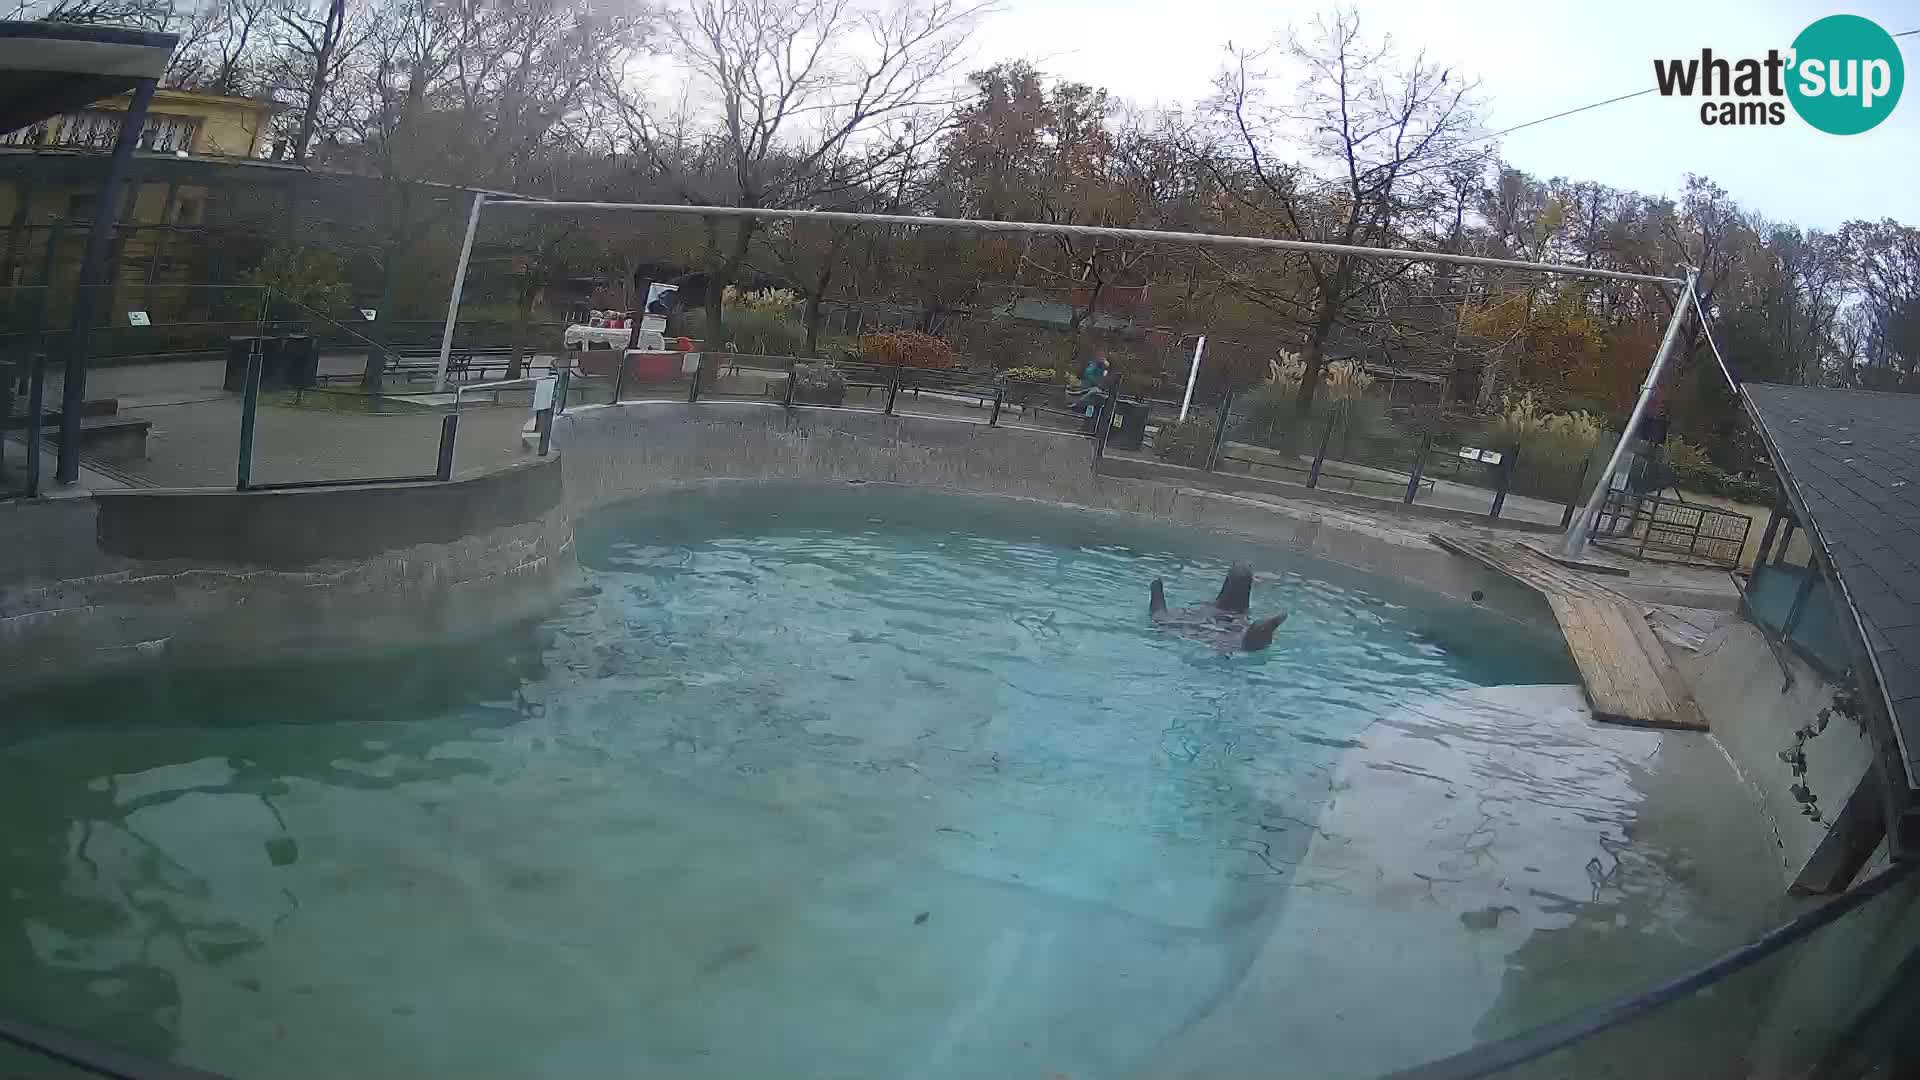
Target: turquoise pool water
{"points": [[800, 782]]}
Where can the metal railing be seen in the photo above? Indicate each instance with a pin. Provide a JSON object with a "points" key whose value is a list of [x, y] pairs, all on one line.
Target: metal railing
{"points": [[1670, 528]]}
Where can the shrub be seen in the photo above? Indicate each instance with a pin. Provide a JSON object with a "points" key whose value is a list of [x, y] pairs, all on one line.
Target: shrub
{"points": [[819, 384], [1706, 478], [1030, 374], [307, 276], [770, 301], [1185, 442], [763, 333], [908, 348], [1553, 446]]}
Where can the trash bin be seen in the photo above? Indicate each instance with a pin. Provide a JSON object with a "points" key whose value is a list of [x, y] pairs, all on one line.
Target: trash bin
{"points": [[299, 364], [1130, 414], [239, 351]]}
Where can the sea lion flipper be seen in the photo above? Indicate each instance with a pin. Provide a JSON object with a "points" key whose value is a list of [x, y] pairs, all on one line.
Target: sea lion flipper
{"points": [[1260, 635], [1236, 593]]}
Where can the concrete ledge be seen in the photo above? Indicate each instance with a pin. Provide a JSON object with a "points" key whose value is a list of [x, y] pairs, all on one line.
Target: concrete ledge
{"points": [[223, 577], [613, 452]]}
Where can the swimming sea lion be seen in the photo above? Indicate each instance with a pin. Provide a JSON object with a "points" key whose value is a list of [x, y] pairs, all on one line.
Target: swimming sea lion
{"points": [[1222, 622]]}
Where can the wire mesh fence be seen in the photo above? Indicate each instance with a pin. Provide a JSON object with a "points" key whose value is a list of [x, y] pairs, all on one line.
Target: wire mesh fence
{"points": [[1358, 447]]}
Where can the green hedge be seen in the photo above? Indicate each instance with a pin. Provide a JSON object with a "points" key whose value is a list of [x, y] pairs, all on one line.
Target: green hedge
{"points": [[1712, 480], [1185, 442]]}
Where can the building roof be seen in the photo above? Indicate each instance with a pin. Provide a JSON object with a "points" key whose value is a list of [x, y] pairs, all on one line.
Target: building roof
{"points": [[47, 68], [1849, 461]]}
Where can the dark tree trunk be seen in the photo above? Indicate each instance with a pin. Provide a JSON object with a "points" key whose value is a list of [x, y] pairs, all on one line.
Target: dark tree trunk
{"points": [[336, 18], [813, 324], [522, 315], [1314, 354], [722, 270], [812, 314], [390, 275]]}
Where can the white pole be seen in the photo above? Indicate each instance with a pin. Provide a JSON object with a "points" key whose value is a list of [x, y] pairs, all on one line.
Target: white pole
{"points": [[1582, 527], [459, 283], [1193, 372], [1162, 235]]}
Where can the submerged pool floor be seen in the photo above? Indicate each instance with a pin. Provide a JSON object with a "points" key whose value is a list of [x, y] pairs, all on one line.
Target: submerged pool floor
{"points": [[849, 782]]}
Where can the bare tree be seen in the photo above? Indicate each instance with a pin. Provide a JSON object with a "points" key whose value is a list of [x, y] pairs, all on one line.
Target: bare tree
{"points": [[316, 40], [144, 14], [1378, 142], [787, 95]]}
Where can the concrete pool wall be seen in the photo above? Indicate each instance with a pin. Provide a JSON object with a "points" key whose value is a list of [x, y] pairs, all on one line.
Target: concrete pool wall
{"points": [[613, 452], [221, 576]]}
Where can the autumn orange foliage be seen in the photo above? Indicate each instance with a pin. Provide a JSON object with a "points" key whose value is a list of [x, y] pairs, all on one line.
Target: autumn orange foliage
{"points": [[907, 348]]}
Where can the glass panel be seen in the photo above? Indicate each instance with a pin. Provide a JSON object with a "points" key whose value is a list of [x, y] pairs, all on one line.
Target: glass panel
{"points": [[1831, 1005]]}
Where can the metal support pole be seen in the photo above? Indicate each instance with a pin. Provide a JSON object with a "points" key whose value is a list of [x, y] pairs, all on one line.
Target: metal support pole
{"points": [[36, 404], [1786, 541], [249, 408], [1193, 373], [1506, 480], [1576, 539], [543, 422], [1104, 417], [620, 377], [793, 376], [73, 382], [1419, 464], [1766, 538], [563, 383], [449, 430], [459, 285], [1573, 501], [1220, 430], [999, 395], [893, 389], [693, 385], [1320, 455]]}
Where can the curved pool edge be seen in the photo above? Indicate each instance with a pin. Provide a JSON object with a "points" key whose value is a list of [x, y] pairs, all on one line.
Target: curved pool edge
{"points": [[125, 578], [616, 452]]}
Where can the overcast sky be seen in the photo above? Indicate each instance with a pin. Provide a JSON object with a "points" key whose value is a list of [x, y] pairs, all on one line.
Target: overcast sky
{"points": [[1533, 59]]}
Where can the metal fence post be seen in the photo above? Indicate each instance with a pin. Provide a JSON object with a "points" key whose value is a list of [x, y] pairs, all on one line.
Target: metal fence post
{"points": [[1419, 463], [1506, 480], [36, 403], [1220, 430], [893, 389], [1104, 417], [999, 393], [564, 382], [620, 378], [1320, 455], [693, 387], [249, 408], [793, 376], [449, 429], [1766, 537], [543, 423], [1573, 503], [93, 282]]}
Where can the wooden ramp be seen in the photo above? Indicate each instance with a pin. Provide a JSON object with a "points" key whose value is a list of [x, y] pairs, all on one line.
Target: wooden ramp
{"points": [[1628, 675]]}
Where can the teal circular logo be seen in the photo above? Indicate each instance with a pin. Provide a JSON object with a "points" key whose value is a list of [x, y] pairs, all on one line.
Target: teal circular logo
{"points": [[1847, 74]]}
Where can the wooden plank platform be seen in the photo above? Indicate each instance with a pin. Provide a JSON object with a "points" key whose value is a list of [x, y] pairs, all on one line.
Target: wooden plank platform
{"points": [[1628, 676]]}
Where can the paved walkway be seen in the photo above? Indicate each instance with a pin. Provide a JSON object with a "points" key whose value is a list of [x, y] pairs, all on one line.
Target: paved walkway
{"points": [[195, 441]]}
